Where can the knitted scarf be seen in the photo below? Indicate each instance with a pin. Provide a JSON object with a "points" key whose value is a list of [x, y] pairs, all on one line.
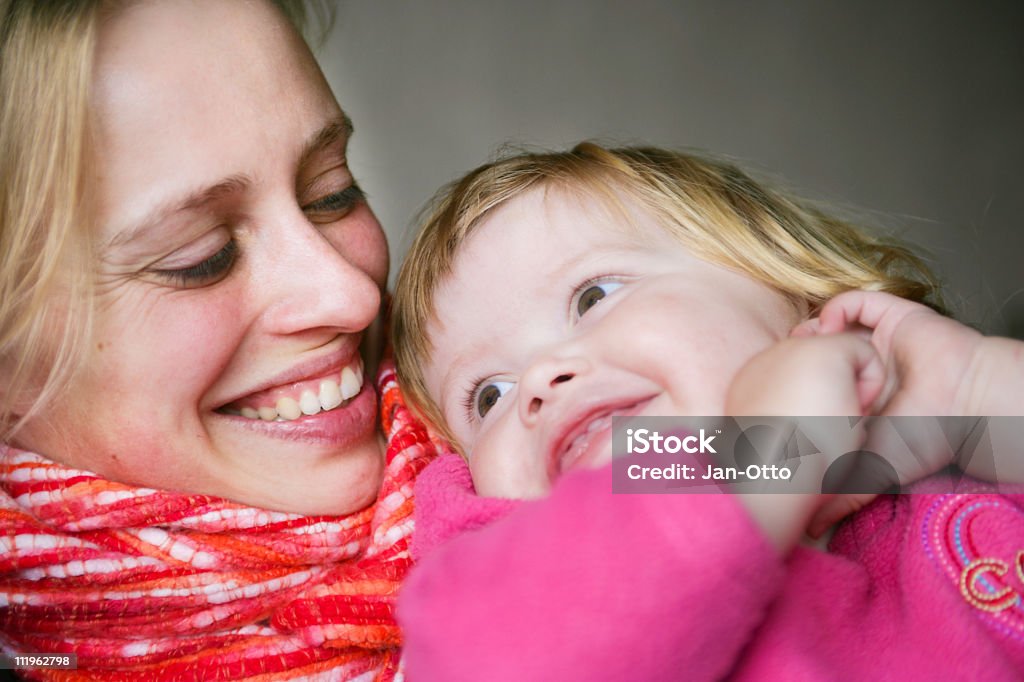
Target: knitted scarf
{"points": [[152, 585]]}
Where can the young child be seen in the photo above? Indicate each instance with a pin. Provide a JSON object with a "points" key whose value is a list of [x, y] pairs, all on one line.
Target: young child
{"points": [[548, 293]]}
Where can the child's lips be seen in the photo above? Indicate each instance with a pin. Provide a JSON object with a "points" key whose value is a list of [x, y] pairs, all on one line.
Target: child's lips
{"points": [[582, 439]]}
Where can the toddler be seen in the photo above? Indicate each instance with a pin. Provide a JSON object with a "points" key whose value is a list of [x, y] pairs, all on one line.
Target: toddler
{"points": [[550, 292]]}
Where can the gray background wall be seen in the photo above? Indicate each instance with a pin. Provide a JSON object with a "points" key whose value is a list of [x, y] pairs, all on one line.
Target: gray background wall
{"points": [[912, 111]]}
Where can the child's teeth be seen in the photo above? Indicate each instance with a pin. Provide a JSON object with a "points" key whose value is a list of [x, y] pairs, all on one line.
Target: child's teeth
{"points": [[267, 414], [350, 384], [250, 413], [309, 403], [330, 394], [288, 408]]}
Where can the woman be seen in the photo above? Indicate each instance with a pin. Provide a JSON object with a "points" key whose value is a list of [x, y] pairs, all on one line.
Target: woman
{"points": [[188, 269]]}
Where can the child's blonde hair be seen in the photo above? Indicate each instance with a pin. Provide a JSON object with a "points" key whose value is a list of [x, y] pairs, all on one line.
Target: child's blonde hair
{"points": [[715, 210], [46, 60]]}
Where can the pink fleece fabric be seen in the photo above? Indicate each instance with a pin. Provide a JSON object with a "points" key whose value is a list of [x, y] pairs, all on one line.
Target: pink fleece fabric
{"points": [[589, 585]]}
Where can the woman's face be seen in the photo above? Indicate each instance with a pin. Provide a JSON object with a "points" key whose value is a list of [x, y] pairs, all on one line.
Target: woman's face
{"points": [[238, 267]]}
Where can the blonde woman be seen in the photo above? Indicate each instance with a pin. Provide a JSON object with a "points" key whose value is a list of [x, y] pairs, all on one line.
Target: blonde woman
{"points": [[188, 269]]}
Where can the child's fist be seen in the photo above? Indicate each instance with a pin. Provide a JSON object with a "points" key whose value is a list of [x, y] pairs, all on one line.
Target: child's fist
{"points": [[927, 356]]}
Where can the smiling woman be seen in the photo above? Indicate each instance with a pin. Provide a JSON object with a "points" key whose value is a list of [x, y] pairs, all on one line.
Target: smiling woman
{"points": [[206, 240], [188, 273]]}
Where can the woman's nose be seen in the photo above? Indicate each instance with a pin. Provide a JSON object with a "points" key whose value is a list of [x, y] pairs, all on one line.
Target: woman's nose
{"points": [[313, 284], [547, 382]]}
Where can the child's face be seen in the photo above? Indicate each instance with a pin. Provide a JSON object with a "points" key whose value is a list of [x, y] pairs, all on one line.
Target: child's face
{"points": [[558, 315]]}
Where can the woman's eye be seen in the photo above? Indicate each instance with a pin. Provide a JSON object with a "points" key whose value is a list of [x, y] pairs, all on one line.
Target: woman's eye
{"points": [[592, 295], [489, 395], [334, 206], [205, 272]]}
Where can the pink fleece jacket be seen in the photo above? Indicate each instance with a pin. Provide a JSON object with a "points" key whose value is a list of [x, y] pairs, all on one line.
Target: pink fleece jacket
{"points": [[593, 586]]}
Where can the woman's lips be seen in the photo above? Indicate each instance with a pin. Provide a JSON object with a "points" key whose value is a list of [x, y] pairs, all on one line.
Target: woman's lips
{"points": [[306, 396], [585, 439], [347, 424]]}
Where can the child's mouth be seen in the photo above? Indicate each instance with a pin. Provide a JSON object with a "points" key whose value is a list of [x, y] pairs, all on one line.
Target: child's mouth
{"points": [[586, 441]]}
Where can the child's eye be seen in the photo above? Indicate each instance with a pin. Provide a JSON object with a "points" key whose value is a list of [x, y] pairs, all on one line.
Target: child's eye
{"points": [[488, 395], [591, 294]]}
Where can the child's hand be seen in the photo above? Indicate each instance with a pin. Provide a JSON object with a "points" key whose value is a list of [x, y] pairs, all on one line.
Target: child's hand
{"points": [[928, 356], [928, 361], [836, 375]]}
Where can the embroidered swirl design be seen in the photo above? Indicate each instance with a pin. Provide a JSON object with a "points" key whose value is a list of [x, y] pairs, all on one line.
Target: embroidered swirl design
{"points": [[957, 534]]}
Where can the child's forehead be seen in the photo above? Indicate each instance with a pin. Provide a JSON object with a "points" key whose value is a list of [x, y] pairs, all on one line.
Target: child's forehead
{"points": [[519, 260], [520, 249], [554, 217], [532, 250]]}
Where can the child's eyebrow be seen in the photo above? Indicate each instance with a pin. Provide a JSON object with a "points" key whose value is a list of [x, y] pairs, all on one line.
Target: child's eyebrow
{"points": [[458, 367]]}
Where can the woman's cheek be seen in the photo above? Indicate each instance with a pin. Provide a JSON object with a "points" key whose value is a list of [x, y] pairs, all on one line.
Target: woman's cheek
{"points": [[361, 240], [183, 342]]}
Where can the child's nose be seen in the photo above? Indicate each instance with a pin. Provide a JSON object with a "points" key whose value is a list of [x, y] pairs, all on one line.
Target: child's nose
{"points": [[546, 382]]}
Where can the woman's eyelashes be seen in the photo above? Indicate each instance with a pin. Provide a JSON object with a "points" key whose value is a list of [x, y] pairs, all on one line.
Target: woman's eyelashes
{"points": [[590, 293], [327, 209], [205, 272], [485, 396], [334, 206]]}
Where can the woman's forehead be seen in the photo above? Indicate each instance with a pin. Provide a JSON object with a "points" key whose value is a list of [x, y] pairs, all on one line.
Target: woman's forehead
{"points": [[159, 54], [192, 94]]}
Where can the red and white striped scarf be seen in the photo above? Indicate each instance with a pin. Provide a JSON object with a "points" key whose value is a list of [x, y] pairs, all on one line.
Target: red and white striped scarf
{"points": [[155, 585]]}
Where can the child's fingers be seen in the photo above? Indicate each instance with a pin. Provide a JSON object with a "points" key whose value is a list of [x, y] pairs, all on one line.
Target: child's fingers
{"points": [[864, 308], [869, 370], [872, 378]]}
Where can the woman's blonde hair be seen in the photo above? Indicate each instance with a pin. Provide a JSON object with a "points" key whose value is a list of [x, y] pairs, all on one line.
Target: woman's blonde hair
{"points": [[715, 210], [46, 57], [46, 61]]}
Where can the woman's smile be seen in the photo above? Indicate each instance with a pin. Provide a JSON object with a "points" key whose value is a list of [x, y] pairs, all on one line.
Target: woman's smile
{"points": [[291, 397]]}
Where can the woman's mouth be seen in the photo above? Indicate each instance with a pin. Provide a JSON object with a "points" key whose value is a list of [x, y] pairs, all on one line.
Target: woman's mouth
{"points": [[301, 399]]}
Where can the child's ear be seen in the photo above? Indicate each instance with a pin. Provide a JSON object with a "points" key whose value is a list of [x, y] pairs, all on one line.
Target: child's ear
{"points": [[806, 316], [809, 327]]}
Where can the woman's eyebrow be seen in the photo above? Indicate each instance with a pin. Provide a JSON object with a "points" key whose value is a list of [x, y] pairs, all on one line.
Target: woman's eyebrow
{"points": [[339, 128], [190, 201], [335, 130]]}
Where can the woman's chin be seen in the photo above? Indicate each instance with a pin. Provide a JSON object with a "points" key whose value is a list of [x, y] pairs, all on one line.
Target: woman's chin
{"points": [[333, 486], [328, 463]]}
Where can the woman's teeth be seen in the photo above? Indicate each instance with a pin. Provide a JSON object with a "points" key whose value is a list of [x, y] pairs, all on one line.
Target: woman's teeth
{"points": [[330, 395]]}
